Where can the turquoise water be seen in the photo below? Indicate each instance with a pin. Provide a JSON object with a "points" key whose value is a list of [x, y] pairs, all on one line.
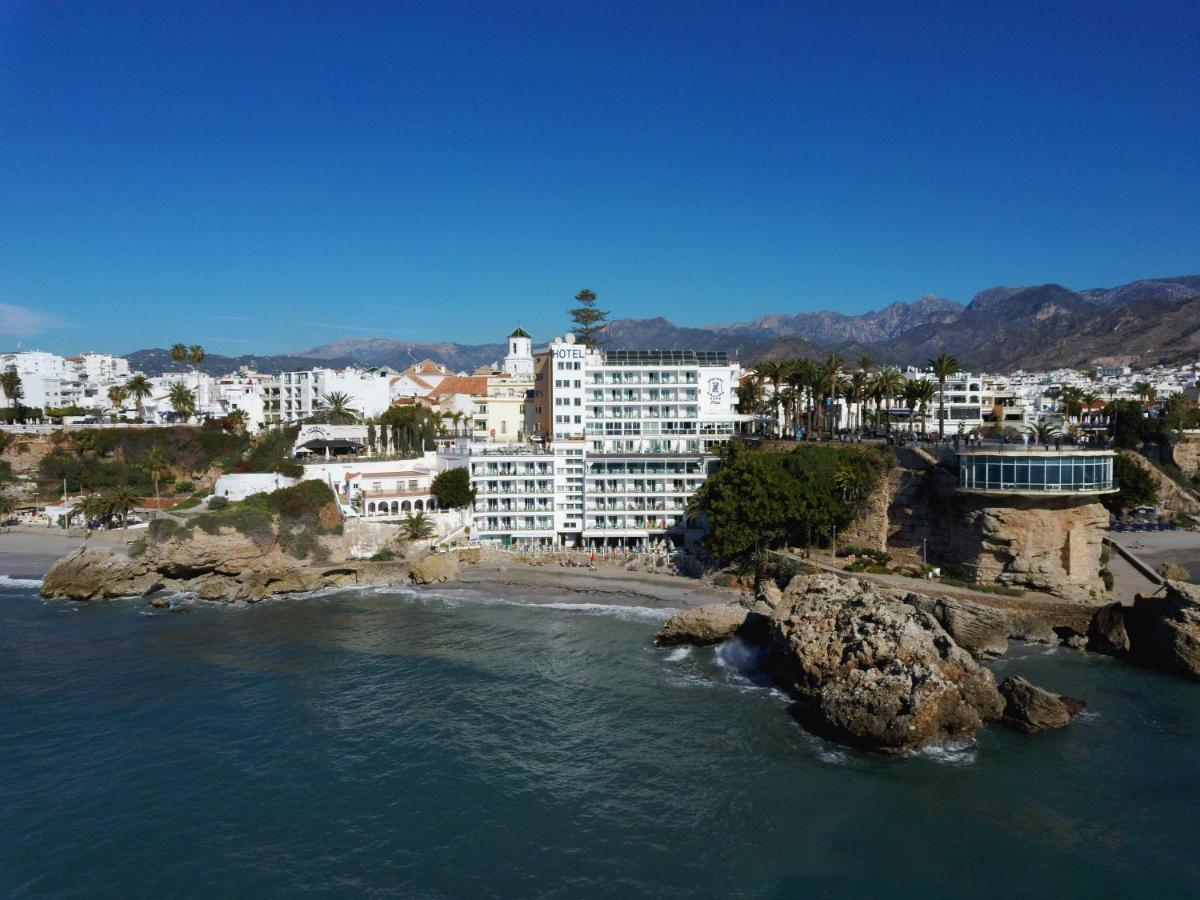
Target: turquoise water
{"points": [[380, 743]]}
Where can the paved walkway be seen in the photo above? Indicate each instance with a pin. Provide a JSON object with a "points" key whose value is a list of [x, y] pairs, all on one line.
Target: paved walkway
{"points": [[929, 586]]}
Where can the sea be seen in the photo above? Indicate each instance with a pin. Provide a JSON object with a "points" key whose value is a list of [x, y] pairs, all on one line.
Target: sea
{"points": [[467, 744]]}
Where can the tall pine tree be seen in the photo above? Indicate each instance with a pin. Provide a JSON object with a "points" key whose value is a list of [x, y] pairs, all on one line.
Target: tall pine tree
{"points": [[589, 321]]}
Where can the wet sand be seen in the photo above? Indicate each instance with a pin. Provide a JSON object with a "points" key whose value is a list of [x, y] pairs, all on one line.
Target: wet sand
{"points": [[28, 554], [608, 584]]}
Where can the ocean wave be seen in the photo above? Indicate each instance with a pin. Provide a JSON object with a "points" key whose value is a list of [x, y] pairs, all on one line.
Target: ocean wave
{"points": [[451, 597], [949, 753], [7, 581], [679, 654]]}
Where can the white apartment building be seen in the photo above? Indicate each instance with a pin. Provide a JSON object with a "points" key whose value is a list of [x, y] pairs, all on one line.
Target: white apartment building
{"points": [[49, 380], [631, 435], [300, 393]]}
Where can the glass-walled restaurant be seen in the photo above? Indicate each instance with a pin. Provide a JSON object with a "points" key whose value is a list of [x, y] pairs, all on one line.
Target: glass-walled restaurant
{"points": [[1023, 472]]}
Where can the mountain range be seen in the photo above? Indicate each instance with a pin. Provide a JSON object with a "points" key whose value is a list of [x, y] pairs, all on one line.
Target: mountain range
{"points": [[1002, 329]]}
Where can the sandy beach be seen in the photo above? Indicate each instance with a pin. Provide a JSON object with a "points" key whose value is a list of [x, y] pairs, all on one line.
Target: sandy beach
{"points": [[608, 584], [1158, 547], [30, 553]]}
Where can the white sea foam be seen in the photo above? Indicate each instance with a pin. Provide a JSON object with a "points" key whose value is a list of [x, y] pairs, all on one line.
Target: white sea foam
{"points": [[452, 597], [7, 581], [679, 654], [949, 753], [833, 757]]}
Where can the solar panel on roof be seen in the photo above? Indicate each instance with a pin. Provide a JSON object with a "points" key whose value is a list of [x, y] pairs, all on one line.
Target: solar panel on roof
{"points": [[666, 357]]}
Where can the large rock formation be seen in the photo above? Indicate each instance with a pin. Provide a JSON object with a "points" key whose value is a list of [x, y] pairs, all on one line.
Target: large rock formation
{"points": [[1185, 453], [224, 566], [984, 627], [874, 669], [1161, 630], [709, 624], [1048, 544], [1033, 710], [434, 568], [1171, 497]]}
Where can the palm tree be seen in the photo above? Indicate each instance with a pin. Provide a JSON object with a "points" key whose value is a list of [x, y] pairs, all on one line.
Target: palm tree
{"points": [[1145, 391], [912, 400], [334, 408], [156, 464], [179, 352], [831, 377], [925, 393], [90, 507], [118, 502], [10, 383], [195, 355], [749, 394], [138, 388], [944, 365], [853, 484], [866, 362], [417, 526], [857, 394], [771, 371], [182, 400], [1043, 432], [116, 396], [237, 419], [888, 383]]}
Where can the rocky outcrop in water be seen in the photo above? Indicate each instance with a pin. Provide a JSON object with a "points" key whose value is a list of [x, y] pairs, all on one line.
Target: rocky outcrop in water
{"points": [[985, 627], [434, 568], [876, 670], [709, 624], [1032, 709], [1161, 630], [226, 566]]}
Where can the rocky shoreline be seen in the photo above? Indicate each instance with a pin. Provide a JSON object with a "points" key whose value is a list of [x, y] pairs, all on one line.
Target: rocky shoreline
{"points": [[886, 669], [892, 671]]}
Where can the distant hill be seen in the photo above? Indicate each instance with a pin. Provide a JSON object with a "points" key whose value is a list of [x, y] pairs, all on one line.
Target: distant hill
{"points": [[1047, 326], [1002, 329]]}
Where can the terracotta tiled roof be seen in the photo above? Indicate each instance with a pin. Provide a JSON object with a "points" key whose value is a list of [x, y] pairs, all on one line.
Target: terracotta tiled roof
{"points": [[475, 385]]}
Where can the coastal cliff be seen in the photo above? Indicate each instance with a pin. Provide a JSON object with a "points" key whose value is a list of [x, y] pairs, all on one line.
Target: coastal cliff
{"points": [[226, 566]]}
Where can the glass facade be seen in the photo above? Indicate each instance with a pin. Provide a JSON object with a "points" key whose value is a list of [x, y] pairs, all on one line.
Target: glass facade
{"points": [[1026, 473]]}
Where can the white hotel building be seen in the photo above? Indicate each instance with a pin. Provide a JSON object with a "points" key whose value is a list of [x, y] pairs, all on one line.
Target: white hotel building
{"points": [[627, 436]]}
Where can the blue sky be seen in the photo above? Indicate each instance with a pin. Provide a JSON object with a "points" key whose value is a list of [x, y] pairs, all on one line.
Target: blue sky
{"points": [[263, 177]]}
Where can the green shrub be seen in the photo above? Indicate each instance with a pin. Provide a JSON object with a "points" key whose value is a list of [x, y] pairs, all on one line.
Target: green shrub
{"points": [[218, 502], [1107, 577], [183, 486], [189, 503], [383, 556], [138, 547], [290, 469], [166, 529], [956, 571], [300, 500], [299, 543], [785, 570]]}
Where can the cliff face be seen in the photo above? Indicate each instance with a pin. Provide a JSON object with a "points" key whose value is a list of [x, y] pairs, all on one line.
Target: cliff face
{"points": [[226, 566], [1171, 497], [1186, 454], [1045, 544]]}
